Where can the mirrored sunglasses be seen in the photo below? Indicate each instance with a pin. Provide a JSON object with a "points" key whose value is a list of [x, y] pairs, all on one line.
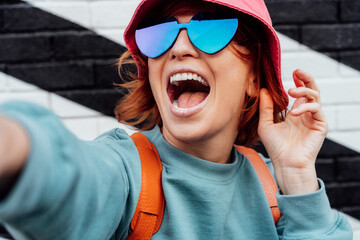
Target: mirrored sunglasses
{"points": [[209, 32]]}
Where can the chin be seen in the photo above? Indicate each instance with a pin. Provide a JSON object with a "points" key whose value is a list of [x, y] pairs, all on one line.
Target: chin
{"points": [[187, 132]]}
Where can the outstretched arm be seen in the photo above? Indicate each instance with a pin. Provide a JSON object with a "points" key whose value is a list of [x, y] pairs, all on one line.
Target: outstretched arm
{"points": [[294, 144], [66, 188], [14, 148]]}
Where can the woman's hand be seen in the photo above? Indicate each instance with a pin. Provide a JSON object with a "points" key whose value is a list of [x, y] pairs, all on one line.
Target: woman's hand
{"points": [[294, 144]]}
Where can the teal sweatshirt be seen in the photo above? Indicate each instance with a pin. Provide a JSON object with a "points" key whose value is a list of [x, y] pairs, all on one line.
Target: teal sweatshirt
{"points": [[74, 189]]}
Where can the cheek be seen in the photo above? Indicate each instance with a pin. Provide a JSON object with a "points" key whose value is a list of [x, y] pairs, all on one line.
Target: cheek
{"points": [[152, 69], [234, 97], [154, 76], [231, 85], [155, 68]]}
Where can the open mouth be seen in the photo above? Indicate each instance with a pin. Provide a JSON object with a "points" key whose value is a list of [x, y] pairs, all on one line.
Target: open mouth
{"points": [[187, 90]]}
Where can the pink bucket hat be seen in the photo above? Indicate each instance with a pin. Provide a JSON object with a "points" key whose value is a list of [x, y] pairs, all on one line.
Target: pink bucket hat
{"points": [[254, 8]]}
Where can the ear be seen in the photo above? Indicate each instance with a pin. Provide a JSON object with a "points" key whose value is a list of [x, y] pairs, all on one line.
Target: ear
{"points": [[252, 87]]}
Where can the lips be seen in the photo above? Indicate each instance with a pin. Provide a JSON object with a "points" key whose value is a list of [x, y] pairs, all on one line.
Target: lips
{"points": [[187, 90]]}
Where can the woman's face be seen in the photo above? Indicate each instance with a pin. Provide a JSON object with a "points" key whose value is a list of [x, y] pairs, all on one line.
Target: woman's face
{"points": [[207, 106]]}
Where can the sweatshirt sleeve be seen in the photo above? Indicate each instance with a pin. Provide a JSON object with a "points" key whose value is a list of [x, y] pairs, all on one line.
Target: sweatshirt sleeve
{"points": [[68, 188], [310, 217]]}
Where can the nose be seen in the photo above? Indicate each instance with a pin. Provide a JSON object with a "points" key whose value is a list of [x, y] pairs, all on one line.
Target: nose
{"points": [[183, 47]]}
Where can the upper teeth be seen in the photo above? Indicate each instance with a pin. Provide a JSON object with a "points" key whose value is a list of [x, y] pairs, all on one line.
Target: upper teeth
{"points": [[176, 78]]}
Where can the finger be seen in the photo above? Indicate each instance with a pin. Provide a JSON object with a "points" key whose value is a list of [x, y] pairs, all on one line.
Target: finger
{"points": [[310, 94], [303, 79], [266, 109], [314, 108], [297, 81], [298, 102]]}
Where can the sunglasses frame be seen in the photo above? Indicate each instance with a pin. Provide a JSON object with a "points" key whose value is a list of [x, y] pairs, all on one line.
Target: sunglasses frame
{"points": [[164, 43]]}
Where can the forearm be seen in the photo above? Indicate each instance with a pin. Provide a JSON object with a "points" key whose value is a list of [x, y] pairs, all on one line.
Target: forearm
{"points": [[14, 148]]}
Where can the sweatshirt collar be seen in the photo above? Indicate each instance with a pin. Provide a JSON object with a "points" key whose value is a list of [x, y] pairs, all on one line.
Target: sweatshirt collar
{"points": [[173, 157]]}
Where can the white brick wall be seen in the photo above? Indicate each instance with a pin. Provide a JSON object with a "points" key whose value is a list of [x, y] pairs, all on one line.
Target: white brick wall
{"points": [[69, 109], [113, 19], [338, 91], [349, 117], [13, 89], [310, 62]]}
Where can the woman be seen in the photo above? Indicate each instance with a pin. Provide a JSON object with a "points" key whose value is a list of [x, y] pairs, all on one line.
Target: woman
{"points": [[209, 77]]}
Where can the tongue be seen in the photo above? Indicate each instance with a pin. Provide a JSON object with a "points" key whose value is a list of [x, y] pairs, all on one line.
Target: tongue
{"points": [[191, 99]]}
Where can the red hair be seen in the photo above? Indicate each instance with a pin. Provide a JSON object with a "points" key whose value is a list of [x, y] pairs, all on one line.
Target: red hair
{"points": [[138, 107]]}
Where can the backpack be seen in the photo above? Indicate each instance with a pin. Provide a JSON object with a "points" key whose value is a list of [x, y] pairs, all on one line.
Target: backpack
{"points": [[150, 207]]}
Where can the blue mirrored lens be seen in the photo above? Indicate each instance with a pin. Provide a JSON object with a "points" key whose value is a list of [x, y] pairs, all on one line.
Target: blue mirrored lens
{"points": [[211, 36], [155, 40]]}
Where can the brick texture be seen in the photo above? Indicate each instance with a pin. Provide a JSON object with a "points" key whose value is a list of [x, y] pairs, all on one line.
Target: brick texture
{"points": [[350, 10], [353, 211], [348, 169], [1, 20], [331, 37], [302, 11], [339, 168], [325, 169], [290, 31], [100, 100], [85, 44], [332, 149], [67, 75], [10, 2], [344, 194], [329, 26], [351, 58], [27, 18], [58, 55], [24, 47], [106, 74], [76, 63]]}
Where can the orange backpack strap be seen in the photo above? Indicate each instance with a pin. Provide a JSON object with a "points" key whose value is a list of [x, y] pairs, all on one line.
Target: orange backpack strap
{"points": [[150, 207], [265, 177]]}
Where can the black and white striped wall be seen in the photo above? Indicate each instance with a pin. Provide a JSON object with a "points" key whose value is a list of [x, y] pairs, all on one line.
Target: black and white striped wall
{"points": [[61, 54]]}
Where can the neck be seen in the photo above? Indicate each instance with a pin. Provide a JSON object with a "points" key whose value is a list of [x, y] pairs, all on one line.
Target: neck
{"points": [[216, 149]]}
